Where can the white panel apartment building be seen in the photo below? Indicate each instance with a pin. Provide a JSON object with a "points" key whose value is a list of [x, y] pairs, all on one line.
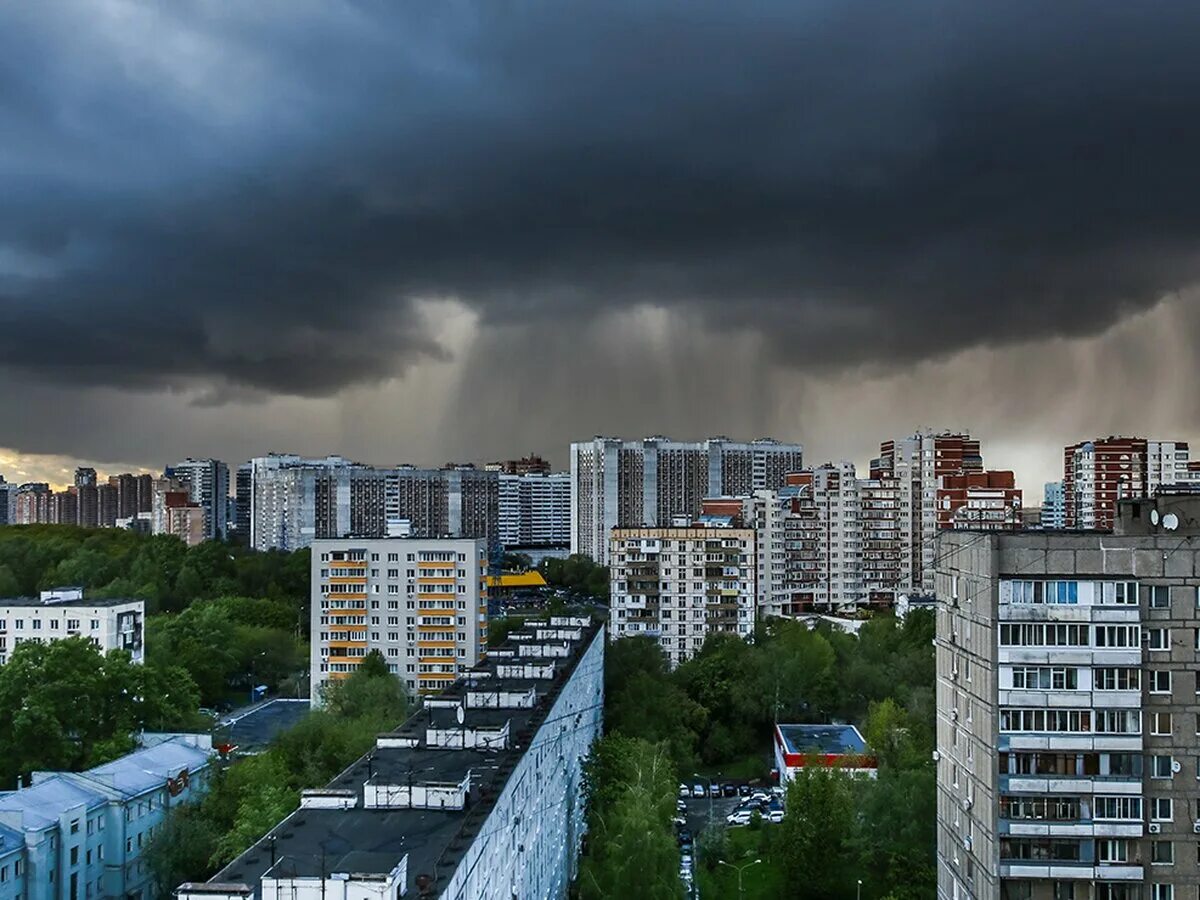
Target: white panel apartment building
{"points": [[422, 603], [64, 612], [1067, 702], [679, 585], [649, 482], [535, 510]]}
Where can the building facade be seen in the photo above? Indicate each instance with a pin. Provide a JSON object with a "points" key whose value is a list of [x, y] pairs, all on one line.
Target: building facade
{"points": [[534, 510], [1054, 506], [75, 835], [422, 603], [1098, 473], [1067, 696], [478, 795], [66, 612], [294, 501], [680, 584], [648, 483], [207, 483]]}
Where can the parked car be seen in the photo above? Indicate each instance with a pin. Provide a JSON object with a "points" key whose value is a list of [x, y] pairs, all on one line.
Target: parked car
{"points": [[760, 796], [680, 821], [738, 817], [729, 790], [697, 790], [743, 790], [684, 791], [680, 806], [714, 790], [774, 815], [684, 837]]}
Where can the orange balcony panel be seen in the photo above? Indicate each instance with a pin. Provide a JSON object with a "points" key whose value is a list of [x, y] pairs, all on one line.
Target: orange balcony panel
{"points": [[436, 564], [443, 644], [344, 645]]}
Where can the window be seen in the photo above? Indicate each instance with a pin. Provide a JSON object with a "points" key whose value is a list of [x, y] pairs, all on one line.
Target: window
{"points": [[1158, 638], [74, 856], [1158, 596], [74, 826], [1162, 892], [1118, 808], [1160, 766], [1160, 809], [1162, 853], [1117, 679], [1112, 851], [1160, 723], [1160, 681]]}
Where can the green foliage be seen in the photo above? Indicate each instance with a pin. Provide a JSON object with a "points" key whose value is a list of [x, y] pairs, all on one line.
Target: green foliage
{"points": [[371, 693], [182, 849], [631, 800], [818, 834], [713, 844], [65, 705], [715, 712], [577, 573], [160, 569]]}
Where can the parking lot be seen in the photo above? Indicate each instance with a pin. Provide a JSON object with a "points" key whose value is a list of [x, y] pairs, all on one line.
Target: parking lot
{"points": [[698, 812]]}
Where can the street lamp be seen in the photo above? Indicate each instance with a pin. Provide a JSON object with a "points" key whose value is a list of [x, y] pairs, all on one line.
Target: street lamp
{"points": [[858, 892], [710, 792], [740, 869]]}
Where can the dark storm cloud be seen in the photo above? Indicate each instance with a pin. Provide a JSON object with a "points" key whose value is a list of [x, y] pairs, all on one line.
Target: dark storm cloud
{"points": [[250, 197]]}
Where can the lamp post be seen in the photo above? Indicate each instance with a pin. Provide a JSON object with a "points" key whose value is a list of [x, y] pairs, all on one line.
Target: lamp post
{"points": [[858, 892], [710, 792], [740, 869]]}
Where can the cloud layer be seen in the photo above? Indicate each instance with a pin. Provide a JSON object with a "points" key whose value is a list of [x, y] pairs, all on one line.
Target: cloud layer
{"points": [[246, 202]]}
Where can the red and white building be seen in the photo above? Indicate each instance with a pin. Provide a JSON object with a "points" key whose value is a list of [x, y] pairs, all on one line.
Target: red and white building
{"points": [[842, 747]]}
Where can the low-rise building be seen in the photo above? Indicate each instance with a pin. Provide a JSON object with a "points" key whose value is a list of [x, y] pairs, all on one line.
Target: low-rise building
{"points": [[74, 835], [422, 603], [478, 795], [65, 612], [825, 746]]}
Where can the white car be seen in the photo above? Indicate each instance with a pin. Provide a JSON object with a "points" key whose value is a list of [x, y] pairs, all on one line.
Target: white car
{"points": [[684, 791], [775, 815], [740, 817], [698, 790]]}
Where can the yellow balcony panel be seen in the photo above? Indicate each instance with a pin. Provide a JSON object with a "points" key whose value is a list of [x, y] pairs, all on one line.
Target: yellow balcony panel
{"points": [[436, 564], [441, 644], [352, 611], [346, 645]]}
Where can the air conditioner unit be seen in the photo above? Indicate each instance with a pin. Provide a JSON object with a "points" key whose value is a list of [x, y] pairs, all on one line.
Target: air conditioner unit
{"points": [[1196, 827], [1153, 828], [936, 756]]}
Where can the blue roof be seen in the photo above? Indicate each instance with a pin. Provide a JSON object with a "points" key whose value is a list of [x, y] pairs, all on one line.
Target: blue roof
{"points": [[11, 841], [144, 770], [42, 804], [827, 739], [53, 793]]}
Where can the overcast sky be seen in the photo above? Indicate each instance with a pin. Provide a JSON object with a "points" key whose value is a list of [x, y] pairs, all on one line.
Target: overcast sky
{"points": [[457, 231]]}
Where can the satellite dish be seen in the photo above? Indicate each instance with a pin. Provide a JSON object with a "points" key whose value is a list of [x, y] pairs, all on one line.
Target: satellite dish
{"points": [[458, 712], [1154, 517], [1170, 521]]}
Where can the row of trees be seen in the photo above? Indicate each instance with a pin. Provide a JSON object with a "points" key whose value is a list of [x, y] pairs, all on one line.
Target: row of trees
{"points": [[717, 711], [159, 569], [249, 797]]}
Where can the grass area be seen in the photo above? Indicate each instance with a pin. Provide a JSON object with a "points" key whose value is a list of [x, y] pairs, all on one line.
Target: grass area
{"points": [[765, 880], [754, 766]]}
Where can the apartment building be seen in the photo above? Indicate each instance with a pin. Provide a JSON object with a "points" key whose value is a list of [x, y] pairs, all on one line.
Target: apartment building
{"points": [[534, 510], [1098, 473], [680, 584], [1068, 738], [8, 502], [422, 603], [941, 483], [526, 465], [207, 483], [293, 501], [479, 795], [66, 612], [648, 483], [74, 835], [1054, 506]]}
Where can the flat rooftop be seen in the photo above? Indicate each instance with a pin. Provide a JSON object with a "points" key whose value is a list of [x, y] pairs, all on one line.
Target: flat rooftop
{"points": [[66, 604], [314, 841], [824, 739], [252, 730]]}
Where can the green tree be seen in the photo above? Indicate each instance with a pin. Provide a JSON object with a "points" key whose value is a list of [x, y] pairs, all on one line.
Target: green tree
{"points": [[818, 835], [201, 639], [371, 692], [630, 785]]}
